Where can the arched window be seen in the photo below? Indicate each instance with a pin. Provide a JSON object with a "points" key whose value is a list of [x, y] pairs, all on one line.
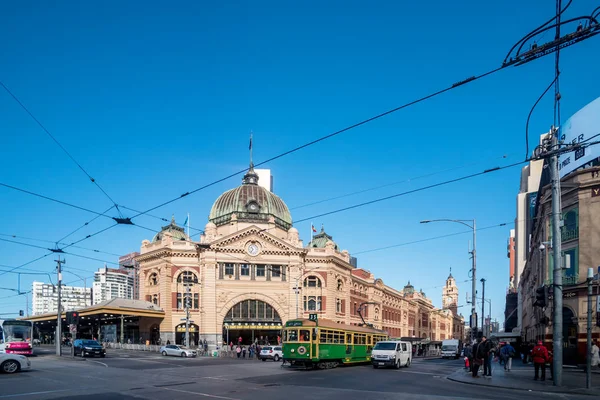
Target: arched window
{"points": [[187, 277], [312, 281], [153, 280]]}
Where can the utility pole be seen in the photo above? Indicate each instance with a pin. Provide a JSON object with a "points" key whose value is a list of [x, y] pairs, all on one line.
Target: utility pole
{"points": [[588, 369], [474, 283], [58, 334], [483, 306], [557, 322], [187, 313]]}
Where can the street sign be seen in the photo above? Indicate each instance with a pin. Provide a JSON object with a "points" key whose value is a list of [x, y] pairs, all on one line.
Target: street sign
{"points": [[73, 328]]}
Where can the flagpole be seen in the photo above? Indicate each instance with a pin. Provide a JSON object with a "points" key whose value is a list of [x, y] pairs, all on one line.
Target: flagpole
{"points": [[188, 224], [311, 232]]}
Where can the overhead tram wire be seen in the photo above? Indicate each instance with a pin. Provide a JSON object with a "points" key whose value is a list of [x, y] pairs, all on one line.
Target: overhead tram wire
{"points": [[389, 184], [85, 224], [162, 219], [59, 243], [529, 117], [58, 143], [517, 60]]}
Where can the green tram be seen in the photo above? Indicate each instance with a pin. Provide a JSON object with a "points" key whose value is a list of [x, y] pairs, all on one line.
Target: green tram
{"points": [[324, 344]]}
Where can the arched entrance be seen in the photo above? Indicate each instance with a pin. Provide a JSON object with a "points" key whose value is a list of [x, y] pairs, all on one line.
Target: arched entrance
{"points": [[193, 330], [252, 320], [569, 337]]}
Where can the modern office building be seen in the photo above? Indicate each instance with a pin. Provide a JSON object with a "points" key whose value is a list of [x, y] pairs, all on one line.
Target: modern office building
{"points": [[112, 284]]}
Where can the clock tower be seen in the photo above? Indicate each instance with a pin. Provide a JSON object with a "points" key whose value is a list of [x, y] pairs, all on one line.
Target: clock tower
{"points": [[450, 294]]}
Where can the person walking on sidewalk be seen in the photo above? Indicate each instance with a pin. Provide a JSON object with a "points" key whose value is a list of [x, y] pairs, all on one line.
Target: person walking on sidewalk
{"points": [[507, 352], [488, 348], [468, 357], [595, 355], [540, 356], [478, 352]]}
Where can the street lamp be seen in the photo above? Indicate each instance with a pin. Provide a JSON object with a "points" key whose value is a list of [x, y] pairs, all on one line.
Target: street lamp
{"points": [[473, 227]]}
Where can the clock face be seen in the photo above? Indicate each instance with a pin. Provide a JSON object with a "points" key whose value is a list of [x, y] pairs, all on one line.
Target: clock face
{"points": [[253, 207], [252, 249]]}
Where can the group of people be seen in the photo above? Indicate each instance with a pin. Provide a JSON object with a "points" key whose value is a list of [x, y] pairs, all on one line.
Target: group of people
{"points": [[484, 351]]}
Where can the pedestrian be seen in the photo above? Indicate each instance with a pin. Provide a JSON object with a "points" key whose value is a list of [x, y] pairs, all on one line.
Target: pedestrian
{"points": [[595, 355], [540, 357], [507, 352], [477, 358], [468, 356], [488, 348], [205, 345], [244, 352]]}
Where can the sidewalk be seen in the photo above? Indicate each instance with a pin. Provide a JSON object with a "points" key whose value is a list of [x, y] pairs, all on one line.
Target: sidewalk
{"points": [[521, 378]]}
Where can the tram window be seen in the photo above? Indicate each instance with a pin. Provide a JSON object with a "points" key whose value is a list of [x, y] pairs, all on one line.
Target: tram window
{"points": [[348, 338], [293, 335], [304, 335], [323, 338], [369, 339]]}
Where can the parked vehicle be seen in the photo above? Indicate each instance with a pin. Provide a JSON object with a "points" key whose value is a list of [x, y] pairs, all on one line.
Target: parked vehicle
{"points": [[274, 353], [393, 353], [86, 347], [450, 348], [11, 363], [178, 351]]}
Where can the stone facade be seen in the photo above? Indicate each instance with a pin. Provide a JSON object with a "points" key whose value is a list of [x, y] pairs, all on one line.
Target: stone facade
{"points": [[580, 240], [252, 271]]}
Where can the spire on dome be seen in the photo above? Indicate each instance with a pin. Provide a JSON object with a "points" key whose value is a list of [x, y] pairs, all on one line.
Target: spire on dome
{"points": [[450, 276], [251, 177]]}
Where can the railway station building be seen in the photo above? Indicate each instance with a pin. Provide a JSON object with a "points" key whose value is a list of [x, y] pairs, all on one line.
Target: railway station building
{"points": [[250, 272]]}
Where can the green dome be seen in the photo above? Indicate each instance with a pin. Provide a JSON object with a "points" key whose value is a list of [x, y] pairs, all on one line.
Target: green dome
{"points": [[250, 203], [177, 232]]}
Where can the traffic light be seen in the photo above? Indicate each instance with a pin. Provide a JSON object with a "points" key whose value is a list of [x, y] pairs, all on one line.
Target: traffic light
{"points": [[541, 297], [72, 318], [21, 313]]}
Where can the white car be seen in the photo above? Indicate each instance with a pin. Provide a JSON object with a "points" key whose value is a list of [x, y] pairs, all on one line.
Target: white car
{"points": [[11, 363], [274, 353], [178, 351]]}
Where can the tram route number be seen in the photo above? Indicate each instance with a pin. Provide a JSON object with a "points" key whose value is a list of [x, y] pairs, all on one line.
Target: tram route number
{"points": [[312, 317]]}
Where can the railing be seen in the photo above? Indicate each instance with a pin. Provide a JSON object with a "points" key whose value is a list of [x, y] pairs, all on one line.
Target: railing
{"points": [[137, 347]]}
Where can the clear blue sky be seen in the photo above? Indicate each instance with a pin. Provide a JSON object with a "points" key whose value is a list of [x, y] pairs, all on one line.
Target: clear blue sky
{"points": [[155, 99]]}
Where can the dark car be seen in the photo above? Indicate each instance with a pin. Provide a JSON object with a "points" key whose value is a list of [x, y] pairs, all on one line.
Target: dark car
{"points": [[86, 347]]}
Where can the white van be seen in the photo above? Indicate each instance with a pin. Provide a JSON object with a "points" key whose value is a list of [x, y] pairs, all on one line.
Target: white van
{"points": [[391, 354]]}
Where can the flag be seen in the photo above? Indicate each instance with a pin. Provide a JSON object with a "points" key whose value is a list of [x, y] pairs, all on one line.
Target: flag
{"points": [[313, 228], [185, 222]]}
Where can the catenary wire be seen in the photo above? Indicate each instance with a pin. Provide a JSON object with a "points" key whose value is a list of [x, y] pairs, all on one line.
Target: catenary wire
{"points": [[85, 224], [529, 117], [37, 121], [60, 243]]}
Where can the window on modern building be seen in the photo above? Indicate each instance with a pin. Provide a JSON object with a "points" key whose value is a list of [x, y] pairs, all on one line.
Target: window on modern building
{"points": [[187, 277], [276, 271], [245, 270], [312, 281], [228, 269], [196, 301], [260, 270]]}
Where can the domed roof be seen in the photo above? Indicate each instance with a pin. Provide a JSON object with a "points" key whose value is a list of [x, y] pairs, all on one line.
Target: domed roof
{"points": [[250, 202], [177, 232], [320, 240]]}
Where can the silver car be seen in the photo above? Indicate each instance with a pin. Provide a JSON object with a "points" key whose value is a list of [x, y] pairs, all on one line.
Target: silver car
{"points": [[178, 351], [11, 363]]}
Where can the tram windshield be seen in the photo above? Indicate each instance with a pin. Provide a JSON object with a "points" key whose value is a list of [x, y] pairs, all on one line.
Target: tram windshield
{"points": [[291, 336], [385, 346]]}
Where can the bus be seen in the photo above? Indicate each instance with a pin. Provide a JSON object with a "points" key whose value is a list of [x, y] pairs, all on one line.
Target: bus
{"points": [[16, 336], [324, 344]]}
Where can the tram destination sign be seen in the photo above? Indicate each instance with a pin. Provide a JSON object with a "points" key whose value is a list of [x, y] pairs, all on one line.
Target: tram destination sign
{"points": [[293, 323]]}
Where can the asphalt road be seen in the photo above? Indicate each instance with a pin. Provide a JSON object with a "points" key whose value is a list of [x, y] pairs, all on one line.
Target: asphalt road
{"points": [[135, 375]]}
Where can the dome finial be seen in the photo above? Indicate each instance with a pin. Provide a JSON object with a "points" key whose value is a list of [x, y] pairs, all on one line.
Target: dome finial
{"points": [[173, 219], [251, 177]]}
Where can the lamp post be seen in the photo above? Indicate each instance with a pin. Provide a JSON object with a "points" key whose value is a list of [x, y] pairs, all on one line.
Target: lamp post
{"points": [[473, 227]]}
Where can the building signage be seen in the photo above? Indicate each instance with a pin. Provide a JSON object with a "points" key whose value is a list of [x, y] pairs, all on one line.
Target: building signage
{"points": [[595, 191], [580, 127], [254, 326]]}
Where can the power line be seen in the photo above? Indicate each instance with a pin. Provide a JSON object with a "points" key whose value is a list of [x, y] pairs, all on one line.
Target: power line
{"points": [[54, 200], [27, 263], [387, 185], [412, 191], [57, 142], [85, 224], [519, 59], [160, 218], [59, 243]]}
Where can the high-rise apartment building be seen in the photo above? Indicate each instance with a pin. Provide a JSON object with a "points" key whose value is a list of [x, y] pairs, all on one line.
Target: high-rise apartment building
{"points": [[127, 262], [45, 298], [111, 284], [265, 179]]}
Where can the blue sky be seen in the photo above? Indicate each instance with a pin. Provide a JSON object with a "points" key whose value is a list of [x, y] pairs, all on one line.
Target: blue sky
{"points": [[155, 99]]}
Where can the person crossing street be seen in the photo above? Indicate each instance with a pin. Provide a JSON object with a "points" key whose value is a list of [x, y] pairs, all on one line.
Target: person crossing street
{"points": [[540, 357]]}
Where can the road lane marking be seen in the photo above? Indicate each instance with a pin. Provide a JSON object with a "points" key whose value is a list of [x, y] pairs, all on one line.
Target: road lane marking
{"points": [[99, 363], [418, 372], [200, 394], [33, 393]]}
